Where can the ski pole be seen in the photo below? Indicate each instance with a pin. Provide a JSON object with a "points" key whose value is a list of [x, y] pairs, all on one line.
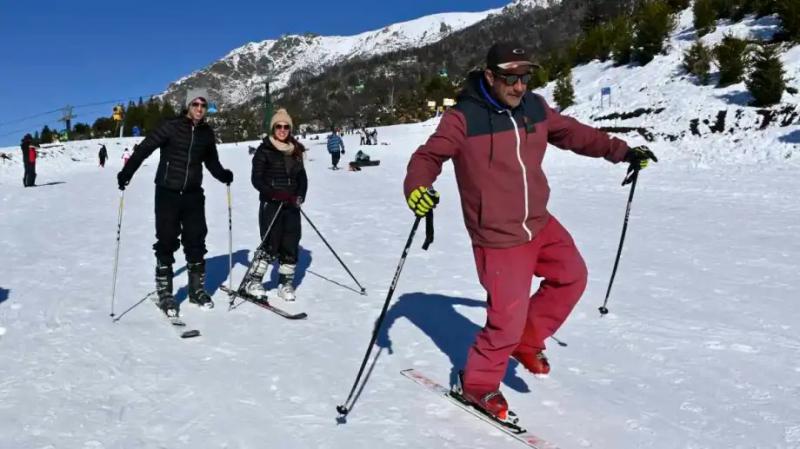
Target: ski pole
{"points": [[116, 253], [344, 409], [258, 248], [632, 180], [363, 290], [230, 241]]}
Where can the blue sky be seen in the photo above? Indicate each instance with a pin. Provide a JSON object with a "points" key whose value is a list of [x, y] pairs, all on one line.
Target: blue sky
{"points": [[81, 52]]}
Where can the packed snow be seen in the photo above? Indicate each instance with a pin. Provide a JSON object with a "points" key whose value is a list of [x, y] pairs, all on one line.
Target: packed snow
{"points": [[699, 350]]}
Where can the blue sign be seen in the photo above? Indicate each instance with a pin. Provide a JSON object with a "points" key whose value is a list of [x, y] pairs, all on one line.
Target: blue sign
{"points": [[136, 131], [605, 91]]}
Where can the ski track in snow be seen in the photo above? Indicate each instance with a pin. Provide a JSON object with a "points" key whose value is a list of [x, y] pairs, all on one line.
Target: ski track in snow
{"points": [[699, 350]]}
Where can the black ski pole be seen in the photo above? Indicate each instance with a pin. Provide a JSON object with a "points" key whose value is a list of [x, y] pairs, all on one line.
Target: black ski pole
{"points": [[344, 409], [258, 248], [116, 253], [230, 240], [632, 180], [363, 290]]}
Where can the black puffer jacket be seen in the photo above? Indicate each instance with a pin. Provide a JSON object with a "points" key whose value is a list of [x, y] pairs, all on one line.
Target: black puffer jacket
{"points": [[25, 145], [274, 170], [184, 148]]}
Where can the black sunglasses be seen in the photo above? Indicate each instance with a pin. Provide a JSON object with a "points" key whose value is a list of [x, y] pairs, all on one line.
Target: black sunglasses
{"points": [[511, 80], [286, 127], [198, 104]]}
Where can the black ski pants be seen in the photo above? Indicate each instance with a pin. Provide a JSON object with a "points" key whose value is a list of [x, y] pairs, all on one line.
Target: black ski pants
{"points": [[335, 158], [180, 215], [284, 238]]}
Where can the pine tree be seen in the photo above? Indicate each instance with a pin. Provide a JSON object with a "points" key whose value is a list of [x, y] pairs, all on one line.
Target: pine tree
{"points": [[725, 9], [564, 93], [697, 61], [789, 13], [168, 111], [767, 81], [678, 5], [705, 17], [47, 135], [539, 79], [152, 115], [622, 43], [654, 22], [731, 56]]}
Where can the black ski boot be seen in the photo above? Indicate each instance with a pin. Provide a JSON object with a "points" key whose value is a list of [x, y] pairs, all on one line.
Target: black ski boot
{"points": [[197, 285], [166, 301]]}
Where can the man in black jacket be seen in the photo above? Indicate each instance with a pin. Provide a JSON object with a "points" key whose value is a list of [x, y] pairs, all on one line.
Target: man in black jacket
{"points": [[186, 143]]}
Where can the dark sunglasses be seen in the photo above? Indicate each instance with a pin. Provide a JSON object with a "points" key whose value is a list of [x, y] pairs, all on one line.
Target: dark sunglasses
{"points": [[511, 80], [286, 127], [198, 104]]}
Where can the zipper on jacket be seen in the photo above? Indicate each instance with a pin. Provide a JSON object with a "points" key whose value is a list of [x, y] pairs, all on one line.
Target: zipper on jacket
{"points": [[166, 173], [524, 174], [188, 161]]}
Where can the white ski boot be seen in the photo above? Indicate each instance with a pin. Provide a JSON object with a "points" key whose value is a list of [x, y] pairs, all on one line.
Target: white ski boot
{"points": [[286, 290]]}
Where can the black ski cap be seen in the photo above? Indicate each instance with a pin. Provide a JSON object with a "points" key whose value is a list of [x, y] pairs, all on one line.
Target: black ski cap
{"points": [[507, 56]]}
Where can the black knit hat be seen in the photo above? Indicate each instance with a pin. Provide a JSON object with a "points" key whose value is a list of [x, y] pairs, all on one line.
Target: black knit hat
{"points": [[507, 56]]}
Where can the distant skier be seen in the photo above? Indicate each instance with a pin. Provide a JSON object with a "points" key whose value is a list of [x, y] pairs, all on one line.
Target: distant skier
{"points": [[102, 155], [25, 146], [496, 136], [186, 143], [126, 155], [31, 177], [335, 148], [280, 178]]}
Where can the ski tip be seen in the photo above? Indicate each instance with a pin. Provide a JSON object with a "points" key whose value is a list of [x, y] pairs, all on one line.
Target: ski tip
{"points": [[191, 334]]}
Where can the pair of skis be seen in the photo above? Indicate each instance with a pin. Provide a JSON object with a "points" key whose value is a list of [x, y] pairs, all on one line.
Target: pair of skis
{"points": [[264, 304], [178, 325], [184, 331], [510, 427]]}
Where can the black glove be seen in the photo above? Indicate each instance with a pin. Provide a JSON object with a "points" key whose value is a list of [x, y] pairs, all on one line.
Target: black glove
{"points": [[123, 180], [342, 150], [226, 177]]}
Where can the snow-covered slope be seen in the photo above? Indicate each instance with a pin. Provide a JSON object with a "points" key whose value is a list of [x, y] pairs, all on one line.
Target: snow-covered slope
{"points": [[661, 97], [699, 351], [239, 76]]}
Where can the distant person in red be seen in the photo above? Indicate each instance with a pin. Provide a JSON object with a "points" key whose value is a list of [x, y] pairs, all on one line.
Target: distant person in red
{"points": [[496, 136], [28, 160], [24, 145]]}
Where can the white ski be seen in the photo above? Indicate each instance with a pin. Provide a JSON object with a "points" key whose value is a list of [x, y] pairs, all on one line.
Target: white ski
{"points": [[518, 433]]}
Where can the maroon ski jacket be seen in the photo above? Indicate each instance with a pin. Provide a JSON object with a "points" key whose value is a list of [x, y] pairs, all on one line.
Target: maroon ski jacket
{"points": [[497, 153]]}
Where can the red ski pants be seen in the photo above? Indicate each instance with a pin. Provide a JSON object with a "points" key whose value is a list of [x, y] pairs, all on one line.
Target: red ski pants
{"points": [[517, 321]]}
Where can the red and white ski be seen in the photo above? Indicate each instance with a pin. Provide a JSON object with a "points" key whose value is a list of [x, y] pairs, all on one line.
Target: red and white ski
{"points": [[516, 432]]}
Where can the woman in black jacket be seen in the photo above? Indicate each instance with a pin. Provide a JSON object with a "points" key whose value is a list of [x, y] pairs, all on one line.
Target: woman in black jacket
{"points": [[280, 178]]}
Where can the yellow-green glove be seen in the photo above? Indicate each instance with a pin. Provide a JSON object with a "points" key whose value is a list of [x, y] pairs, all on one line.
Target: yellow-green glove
{"points": [[639, 157], [422, 199]]}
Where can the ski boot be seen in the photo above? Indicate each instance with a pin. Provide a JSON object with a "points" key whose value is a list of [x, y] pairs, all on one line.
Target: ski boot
{"points": [[197, 282], [535, 362], [166, 301], [254, 283], [491, 403], [286, 290]]}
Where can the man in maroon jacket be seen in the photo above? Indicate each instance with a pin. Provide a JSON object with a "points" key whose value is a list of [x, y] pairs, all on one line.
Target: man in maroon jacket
{"points": [[496, 136]]}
